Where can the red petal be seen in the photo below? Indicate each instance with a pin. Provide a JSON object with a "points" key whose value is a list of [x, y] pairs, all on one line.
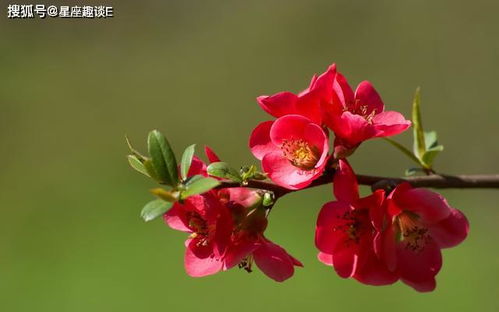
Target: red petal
{"points": [[345, 260], [325, 258], [274, 261], [282, 172], [260, 143], [345, 185], [370, 270], [289, 127], [377, 210], [331, 215], [385, 247], [367, 95], [419, 266], [175, 218], [352, 128], [279, 104], [422, 286], [237, 252], [324, 83], [390, 123], [450, 231], [430, 206], [342, 90], [212, 157], [309, 105], [197, 267]]}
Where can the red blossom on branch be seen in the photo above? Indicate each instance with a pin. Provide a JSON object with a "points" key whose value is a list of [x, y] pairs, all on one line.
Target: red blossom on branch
{"points": [[412, 226], [395, 233]]}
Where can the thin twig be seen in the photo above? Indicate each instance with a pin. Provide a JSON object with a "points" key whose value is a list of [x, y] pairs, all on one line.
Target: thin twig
{"points": [[376, 182]]}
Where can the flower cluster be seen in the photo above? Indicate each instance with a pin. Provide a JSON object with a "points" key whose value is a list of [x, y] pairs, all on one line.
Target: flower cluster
{"points": [[395, 233], [226, 229], [377, 239]]}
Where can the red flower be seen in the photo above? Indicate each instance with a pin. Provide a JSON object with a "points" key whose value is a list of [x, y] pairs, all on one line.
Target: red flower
{"points": [[226, 229], [210, 224], [293, 150], [357, 117], [344, 233], [248, 242], [419, 224], [307, 103]]}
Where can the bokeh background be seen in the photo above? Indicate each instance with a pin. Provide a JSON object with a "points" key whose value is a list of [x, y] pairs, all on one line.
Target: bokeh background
{"points": [[70, 234]]}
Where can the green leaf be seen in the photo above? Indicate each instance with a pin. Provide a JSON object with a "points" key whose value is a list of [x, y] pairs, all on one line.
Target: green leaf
{"points": [[404, 150], [419, 136], [186, 162], [134, 151], [414, 171], [137, 164], [165, 195], [154, 209], [430, 154], [430, 139], [163, 158], [224, 171], [148, 165], [193, 179], [199, 186]]}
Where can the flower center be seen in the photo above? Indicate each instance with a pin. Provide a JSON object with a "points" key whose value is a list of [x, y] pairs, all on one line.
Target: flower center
{"points": [[362, 110], [356, 224], [300, 153], [246, 263], [412, 232]]}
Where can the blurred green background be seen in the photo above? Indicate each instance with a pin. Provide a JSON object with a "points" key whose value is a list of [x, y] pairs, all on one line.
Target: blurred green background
{"points": [[70, 234]]}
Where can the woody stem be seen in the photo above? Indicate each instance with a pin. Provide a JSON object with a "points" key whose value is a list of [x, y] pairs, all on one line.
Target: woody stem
{"points": [[376, 182]]}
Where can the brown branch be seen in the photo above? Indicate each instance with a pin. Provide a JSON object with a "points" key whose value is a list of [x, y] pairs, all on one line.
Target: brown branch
{"points": [[376, 182]]}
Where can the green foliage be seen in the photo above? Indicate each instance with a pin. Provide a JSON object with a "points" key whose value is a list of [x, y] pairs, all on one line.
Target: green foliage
{"points": [[425, 147], [198, 185], [154, 209], [186, 161], [163, 158], [417, 125], [136, 164], [224, 171]]}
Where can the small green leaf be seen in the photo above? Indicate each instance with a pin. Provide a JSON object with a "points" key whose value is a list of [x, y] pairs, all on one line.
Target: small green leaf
{"points": [[154, 209], [134, 151], [430, 155], [163, 158], [404, 150], [414, 171], [419, 136], [430, 139], [199, 186], [193, 179], [165, 195], [224, 171], [137, 164], [186, 162], [150, 169], [247, 172]]}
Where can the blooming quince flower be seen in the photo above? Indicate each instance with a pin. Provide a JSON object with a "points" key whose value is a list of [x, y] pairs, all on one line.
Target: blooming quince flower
{"points": [[344, 233], [226, 229], [249, 243], [293, 150], [413, 225], [210, 225], [307, 103], [356, 117]]}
